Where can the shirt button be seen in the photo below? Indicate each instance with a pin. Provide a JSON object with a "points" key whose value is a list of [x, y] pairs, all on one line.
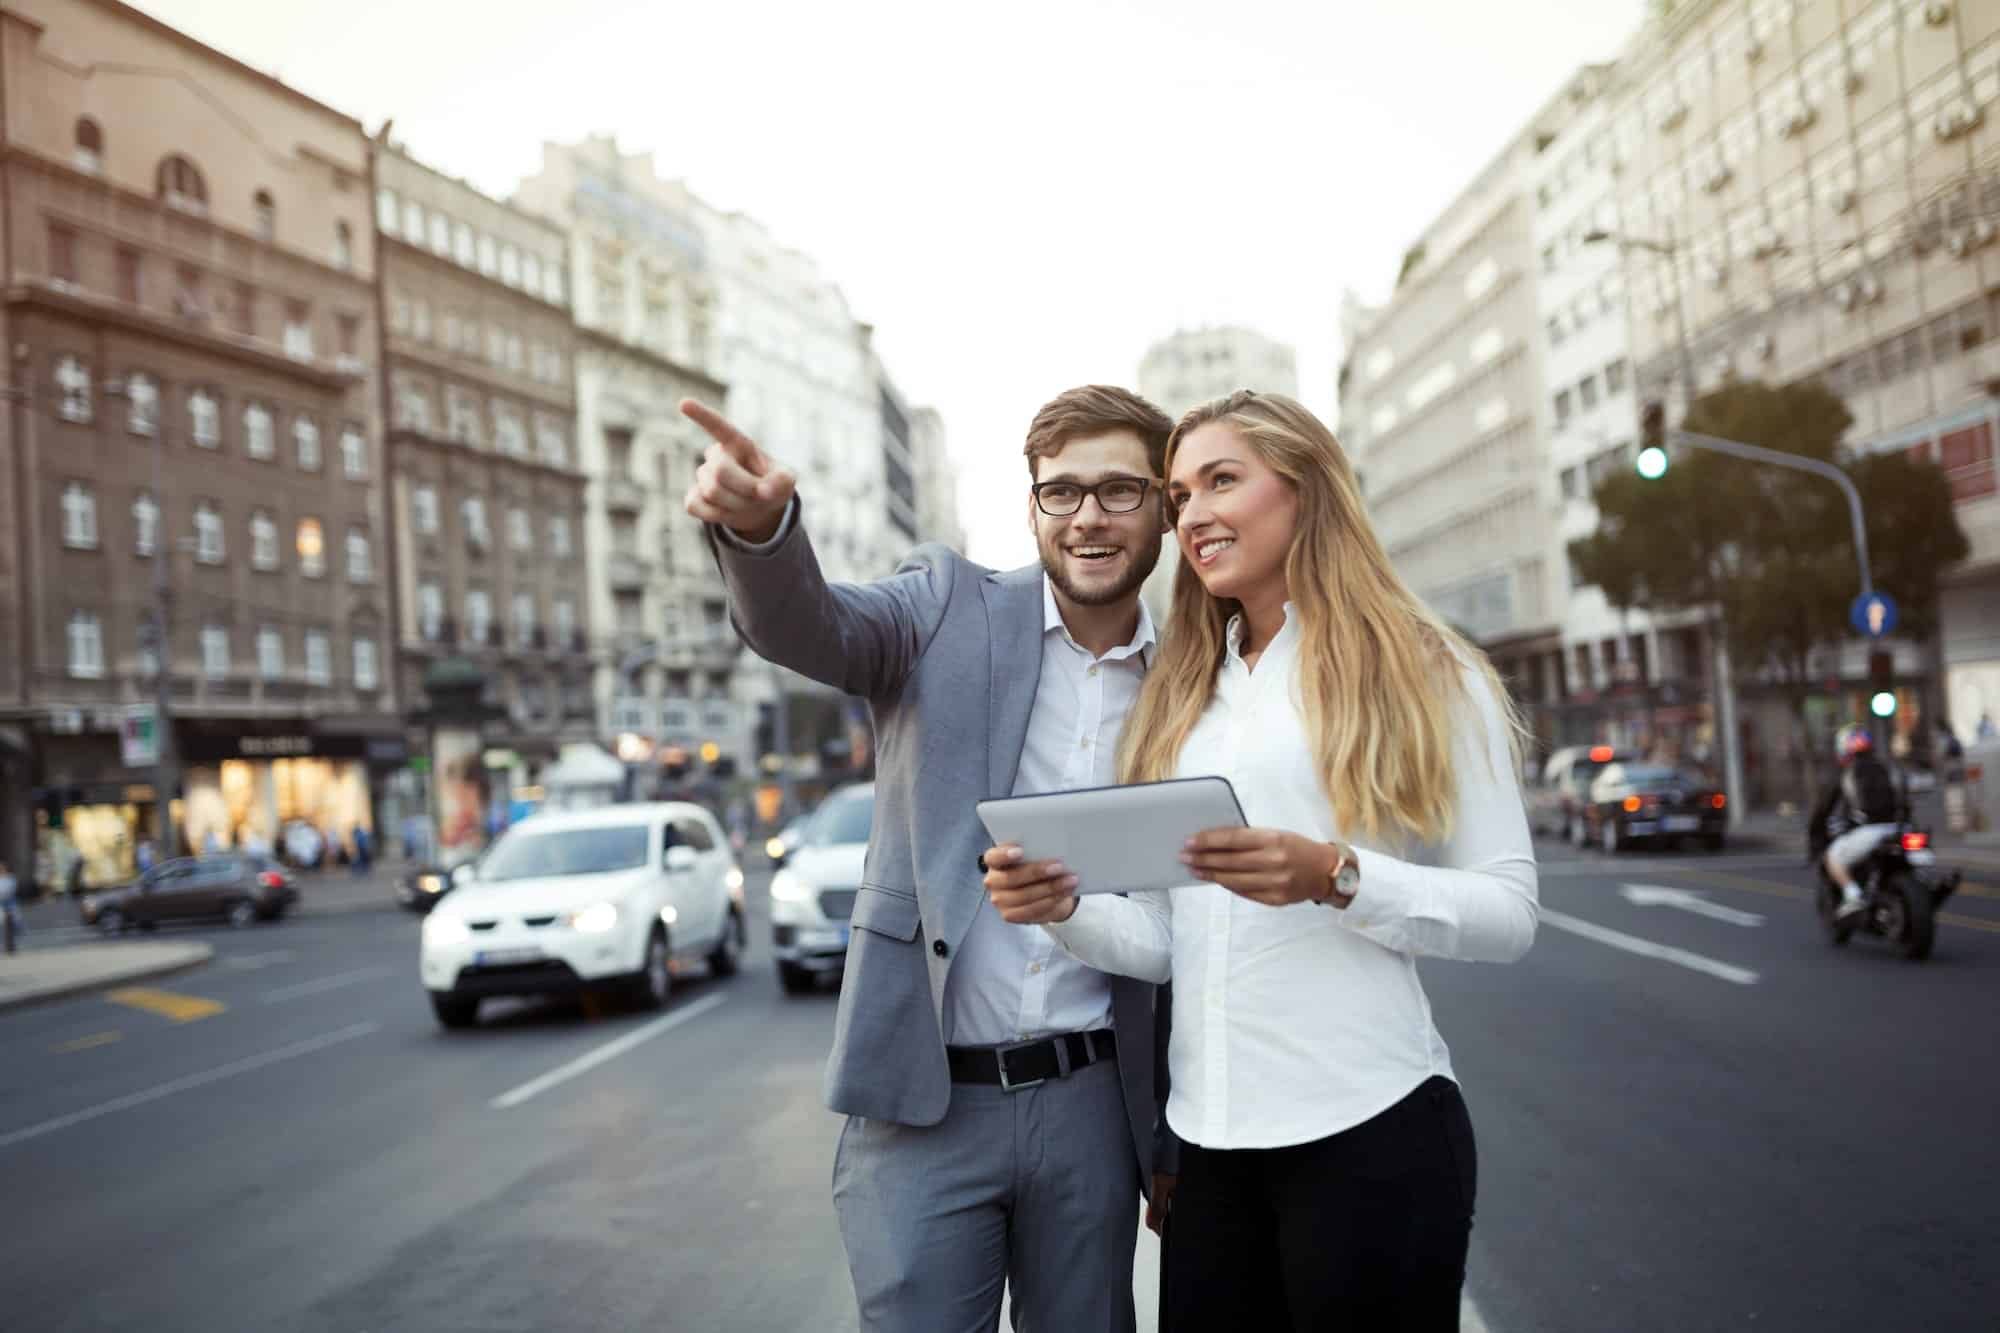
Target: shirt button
{"points": [[940, 948], [1092, 671], [1034, 968]]}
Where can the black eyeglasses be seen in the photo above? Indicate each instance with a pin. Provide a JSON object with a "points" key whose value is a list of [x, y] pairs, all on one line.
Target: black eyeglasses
{"points": [[1115, 495]]}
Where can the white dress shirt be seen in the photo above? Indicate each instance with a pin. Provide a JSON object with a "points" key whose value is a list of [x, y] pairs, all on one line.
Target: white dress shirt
{"points": [[1294, 1023], [1009, 983]]}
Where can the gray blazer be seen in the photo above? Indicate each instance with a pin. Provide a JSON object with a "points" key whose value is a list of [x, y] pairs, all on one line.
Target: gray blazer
{"points": [[948, 655]]}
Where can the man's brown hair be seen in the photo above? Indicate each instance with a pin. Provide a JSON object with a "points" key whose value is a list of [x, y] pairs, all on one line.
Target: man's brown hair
{"points": [[1095, 409]]}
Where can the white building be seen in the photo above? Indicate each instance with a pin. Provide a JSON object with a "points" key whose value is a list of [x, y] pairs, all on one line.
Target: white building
{"points": [[1187, 369], [937, 481]]}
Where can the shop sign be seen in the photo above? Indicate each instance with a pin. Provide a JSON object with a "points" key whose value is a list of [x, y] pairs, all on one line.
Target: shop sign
{"points": [[139, 736], [267, 747]]}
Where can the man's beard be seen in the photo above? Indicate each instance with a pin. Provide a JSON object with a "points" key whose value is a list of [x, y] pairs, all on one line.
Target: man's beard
{"points": [[1142, 563]]}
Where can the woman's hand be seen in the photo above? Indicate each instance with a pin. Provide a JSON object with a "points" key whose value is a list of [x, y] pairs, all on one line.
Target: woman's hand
{"points": [[1265, 865], [1028, 893]]}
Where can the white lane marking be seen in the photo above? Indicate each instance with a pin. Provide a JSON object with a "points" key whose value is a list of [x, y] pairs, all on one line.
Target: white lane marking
{"points": [[610, 1050], [334, 982], [1666, 953], [244, 1066], [251, 962], [1687, 900]]}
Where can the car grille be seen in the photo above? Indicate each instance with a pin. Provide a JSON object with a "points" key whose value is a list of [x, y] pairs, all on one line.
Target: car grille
{"points": [[836, 904]]}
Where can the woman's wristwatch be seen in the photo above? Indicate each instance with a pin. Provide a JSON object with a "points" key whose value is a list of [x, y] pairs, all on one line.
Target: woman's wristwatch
{"points": [[1343, 877]]}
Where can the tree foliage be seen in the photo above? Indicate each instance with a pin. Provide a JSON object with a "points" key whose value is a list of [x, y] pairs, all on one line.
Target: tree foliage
{"points": [[1770, 548]]}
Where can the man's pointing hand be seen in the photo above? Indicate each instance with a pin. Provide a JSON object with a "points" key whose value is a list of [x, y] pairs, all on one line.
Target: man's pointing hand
{"points": [[737, 485]]}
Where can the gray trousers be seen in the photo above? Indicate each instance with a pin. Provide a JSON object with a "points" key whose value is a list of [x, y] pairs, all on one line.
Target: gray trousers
{"points": [[1036, 1190]]}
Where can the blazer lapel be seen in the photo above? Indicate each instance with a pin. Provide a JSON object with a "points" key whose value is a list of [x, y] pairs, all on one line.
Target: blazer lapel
{"points": [[1014, 628]]}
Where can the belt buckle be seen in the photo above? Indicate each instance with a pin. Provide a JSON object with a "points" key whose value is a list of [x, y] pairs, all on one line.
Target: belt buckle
{"points": [[1000, 1053]]}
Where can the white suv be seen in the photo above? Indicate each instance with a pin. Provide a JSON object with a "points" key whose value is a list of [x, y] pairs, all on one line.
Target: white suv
{"points": [[568, 900], [813, 892]]}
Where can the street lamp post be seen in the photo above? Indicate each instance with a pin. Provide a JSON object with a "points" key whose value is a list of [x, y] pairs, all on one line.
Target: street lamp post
{"points": [[1727, 738]]}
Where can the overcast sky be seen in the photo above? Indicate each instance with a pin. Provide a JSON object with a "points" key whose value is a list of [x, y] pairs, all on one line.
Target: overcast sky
{"points": [[1019, 198]]}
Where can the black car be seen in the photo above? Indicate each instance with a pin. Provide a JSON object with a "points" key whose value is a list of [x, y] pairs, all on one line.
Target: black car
{"points": [[240, 889], [419, 889], [1556, 804], [1634, 801]]}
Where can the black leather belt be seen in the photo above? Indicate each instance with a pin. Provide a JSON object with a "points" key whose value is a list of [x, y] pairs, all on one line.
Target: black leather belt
{"points": [[1023, 1064]]}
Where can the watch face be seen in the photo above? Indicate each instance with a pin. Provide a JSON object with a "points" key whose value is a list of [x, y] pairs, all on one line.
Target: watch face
{"points": [[1347, 881]]}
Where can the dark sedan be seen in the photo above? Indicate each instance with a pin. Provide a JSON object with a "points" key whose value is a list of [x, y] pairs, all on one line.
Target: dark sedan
{"points": [[1633, 801], [241, 890], [419, 889]]}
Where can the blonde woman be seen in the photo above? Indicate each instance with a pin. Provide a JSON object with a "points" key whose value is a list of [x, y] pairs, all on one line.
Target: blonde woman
{"points": [[1330, 1171]]}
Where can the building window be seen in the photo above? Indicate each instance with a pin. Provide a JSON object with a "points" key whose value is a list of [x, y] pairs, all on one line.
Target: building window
{"points": [[270, 652], [462, 416], [551, 441], [319, 658], [472, 514], [1586, 392], [145, 524], [430, 611], [524, 618], [353, 453], [264, 213], [420, 320], [387, 215], [1562, 407], [263, 541], [86, 646], [531, 274], [510, 266], [208, 538], [181, 186], [496, 344], [508, 435], [343, 246], [440, 234], [73, 389], [520, 530], [260, 435], [517, 355], [489, 256], [305, 436], [89, 154], [478, 615], [424, 509], [1614, 377], [204, 419], [360, 557], [1555, 331], [565, 621], [298, 331], [413, 405], [79, 517], [366, 677], [312, 548], [451, 330], [246, 309], [413, 222], [142, 404], [214, 651], [129, 285], [461, 244], [62, 255], [559, 545]]}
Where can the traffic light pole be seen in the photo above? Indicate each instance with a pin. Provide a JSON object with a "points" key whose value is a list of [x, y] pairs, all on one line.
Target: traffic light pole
{"points": [[1758, 454]]}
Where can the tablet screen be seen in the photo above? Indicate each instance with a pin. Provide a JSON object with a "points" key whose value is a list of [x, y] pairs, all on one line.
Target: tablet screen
{"points": [[1116, 839]]}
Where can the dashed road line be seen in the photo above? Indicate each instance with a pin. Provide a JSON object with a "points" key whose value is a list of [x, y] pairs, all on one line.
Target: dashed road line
{"points": [[1666, 953], [611, 1050], [91, 1042]]}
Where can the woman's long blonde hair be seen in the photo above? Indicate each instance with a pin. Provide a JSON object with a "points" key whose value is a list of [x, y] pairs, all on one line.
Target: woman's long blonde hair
{"points": [[1381, 677]]}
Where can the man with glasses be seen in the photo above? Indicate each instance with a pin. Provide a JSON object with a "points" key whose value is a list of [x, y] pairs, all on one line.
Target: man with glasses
{"points": [[999, 1094]]}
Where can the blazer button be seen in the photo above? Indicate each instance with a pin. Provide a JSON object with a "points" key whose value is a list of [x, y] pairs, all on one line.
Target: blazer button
{"points": [[940, 948]]}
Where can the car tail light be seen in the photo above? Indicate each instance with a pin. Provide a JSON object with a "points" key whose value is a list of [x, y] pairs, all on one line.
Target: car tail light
{"points": [[271, 879], [1916, 842], [1632, 804], [1601, 754], [1718, 800]]}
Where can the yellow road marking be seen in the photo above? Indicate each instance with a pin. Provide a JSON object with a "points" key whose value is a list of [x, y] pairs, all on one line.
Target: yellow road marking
{"points": [[86, 1043], [1728, 881], [167, 1004]]}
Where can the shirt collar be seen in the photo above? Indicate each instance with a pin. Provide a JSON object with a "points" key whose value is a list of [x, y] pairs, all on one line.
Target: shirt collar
{"points": [[1143, 638], [1238, 627]]}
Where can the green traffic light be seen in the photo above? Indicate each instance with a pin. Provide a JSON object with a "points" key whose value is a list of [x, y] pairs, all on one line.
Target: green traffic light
{"points": [[1652, 462], [1883, 704]]}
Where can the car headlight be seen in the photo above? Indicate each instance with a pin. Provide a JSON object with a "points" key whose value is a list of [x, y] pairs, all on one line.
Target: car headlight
{"points": [[734, 879], [431, 883], [594, 919], [787, 887], [445, 929], [774, 847]]}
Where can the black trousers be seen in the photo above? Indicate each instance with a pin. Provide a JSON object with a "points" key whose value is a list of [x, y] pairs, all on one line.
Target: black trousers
{"points": [[1364, 1231]]}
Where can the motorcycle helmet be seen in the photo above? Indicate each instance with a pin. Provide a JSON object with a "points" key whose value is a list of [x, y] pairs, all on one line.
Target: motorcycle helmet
{"points": [[1851, 740]]}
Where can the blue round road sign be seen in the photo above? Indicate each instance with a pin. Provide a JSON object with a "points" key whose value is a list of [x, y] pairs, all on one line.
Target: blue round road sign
{"points": [[1873, 614]]}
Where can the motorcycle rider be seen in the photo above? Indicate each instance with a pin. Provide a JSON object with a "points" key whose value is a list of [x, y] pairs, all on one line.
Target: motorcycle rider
{"points": [[1866, 806]]}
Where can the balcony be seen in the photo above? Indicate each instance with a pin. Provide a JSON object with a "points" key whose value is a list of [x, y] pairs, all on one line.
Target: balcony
{"points": [[627, 572], [624, 495]]}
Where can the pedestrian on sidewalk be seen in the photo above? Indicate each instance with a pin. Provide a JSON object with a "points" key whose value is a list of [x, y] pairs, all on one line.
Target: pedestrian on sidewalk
{"points": [[1329, 1170], [999, 1093], [361, 850], [11, 923]]}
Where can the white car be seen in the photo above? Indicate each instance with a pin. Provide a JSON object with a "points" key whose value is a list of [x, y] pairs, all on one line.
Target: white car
{"points": [[813, 891], [570, 900]]}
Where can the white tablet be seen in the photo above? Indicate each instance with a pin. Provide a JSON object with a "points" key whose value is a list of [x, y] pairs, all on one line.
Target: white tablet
{"points": [[1116, 839]]}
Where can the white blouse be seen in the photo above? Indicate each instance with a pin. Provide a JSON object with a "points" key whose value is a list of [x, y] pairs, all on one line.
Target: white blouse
{"points": [[1294, 1023]]}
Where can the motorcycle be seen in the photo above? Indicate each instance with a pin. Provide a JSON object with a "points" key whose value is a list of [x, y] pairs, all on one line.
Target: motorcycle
{"points": [[1902, 889]]}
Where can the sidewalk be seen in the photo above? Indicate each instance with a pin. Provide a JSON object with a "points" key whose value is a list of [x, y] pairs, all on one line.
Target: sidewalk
{"points": [[33, 976]]}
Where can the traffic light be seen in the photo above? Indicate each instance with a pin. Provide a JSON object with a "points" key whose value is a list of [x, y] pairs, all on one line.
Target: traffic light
{"points": [[767, 729], [1882, 683], [1652, 461]]}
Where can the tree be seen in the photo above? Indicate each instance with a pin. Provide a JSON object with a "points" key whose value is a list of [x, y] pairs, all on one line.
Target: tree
{"points": [[1770, 549]]}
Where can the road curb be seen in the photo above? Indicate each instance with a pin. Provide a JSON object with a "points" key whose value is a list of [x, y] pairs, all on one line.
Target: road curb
{"points": [[196, 956]]}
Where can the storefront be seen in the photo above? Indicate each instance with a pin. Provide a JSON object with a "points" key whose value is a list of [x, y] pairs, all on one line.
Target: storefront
{"points": [[251, 789]]}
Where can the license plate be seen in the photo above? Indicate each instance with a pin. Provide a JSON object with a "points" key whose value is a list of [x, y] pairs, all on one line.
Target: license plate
{"points": [[1921, 858], [501, 957], [1682, 823]]}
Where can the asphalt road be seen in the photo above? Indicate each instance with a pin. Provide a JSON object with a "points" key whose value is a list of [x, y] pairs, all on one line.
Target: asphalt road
{"points": [[1757, 1131]]}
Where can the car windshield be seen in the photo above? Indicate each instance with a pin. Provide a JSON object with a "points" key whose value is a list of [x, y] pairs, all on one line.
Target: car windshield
{"points": [[583, 851], [844, 819]]}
